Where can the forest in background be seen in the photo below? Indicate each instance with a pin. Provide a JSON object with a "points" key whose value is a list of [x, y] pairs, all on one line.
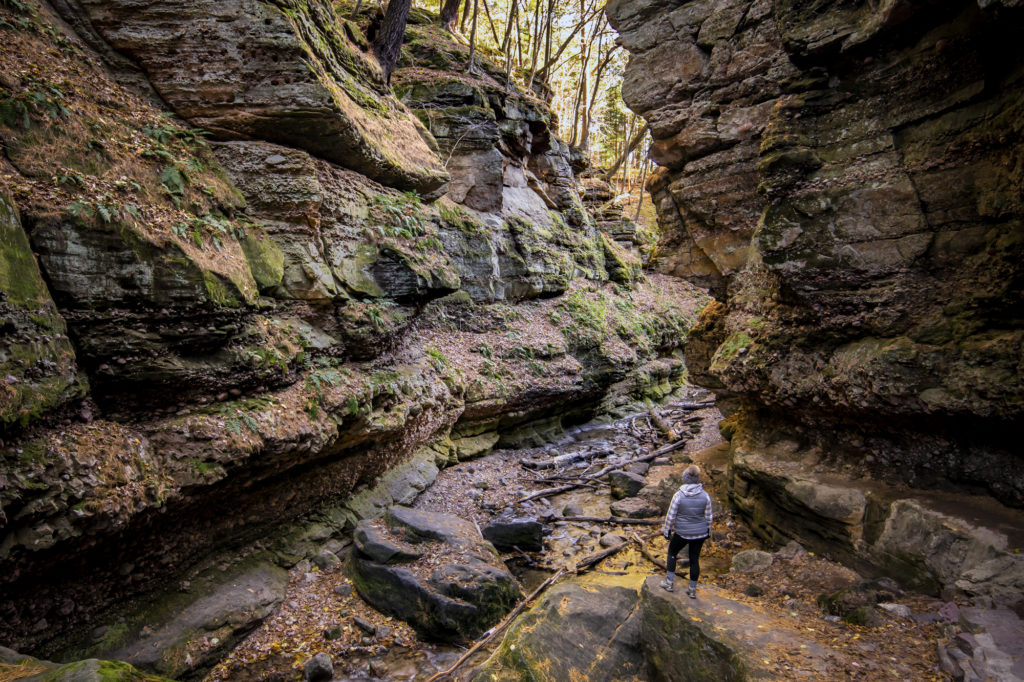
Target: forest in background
{"points": [[564, 51]]}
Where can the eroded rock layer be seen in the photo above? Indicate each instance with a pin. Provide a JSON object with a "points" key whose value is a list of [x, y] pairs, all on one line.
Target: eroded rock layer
{"points": [[204, 340], [849, 180]]}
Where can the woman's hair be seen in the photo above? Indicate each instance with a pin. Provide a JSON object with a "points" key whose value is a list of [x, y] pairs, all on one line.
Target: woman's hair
{"points": [[692, 474]]}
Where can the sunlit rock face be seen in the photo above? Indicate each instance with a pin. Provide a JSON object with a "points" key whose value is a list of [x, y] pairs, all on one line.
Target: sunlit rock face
{"points": [[852, 176]]}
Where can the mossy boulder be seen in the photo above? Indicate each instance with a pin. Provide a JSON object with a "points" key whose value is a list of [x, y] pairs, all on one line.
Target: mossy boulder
{"points": [[583, 629], [30, 669]]}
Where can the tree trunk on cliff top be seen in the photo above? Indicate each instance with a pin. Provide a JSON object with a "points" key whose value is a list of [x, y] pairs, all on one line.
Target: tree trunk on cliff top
{"points": [[449, 12], [388, 43]]}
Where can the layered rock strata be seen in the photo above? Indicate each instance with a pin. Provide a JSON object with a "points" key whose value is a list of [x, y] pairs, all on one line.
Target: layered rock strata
{"points": [[848, 179], [207, 339]]}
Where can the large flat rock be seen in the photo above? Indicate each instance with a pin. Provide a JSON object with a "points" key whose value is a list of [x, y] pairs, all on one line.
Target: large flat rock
{"points": [[716, 638]]}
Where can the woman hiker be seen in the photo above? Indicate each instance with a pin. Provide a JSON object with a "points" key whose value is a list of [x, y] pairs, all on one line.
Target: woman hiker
{"points": [[688, 523]]}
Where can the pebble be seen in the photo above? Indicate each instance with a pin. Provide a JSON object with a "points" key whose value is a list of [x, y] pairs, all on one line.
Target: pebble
{"points": [[365, 625], [343, 590], [572, 509]]}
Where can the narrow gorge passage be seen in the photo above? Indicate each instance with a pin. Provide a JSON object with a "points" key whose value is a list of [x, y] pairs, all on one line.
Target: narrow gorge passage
{"points": [[317, 365], [323, 612]]}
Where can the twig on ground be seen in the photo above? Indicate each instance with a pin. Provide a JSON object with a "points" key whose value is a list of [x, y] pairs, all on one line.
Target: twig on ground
{"points": [[647, 555]]}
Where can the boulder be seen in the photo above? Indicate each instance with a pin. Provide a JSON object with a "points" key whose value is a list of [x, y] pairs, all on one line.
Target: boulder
{"points": [[611, 540], [454, 591], [634, 508], [751, 560], [180, 634], [381, 546], [857, 604], [583, 629], [638, 468], [993, 641], [660, 494], [38, 369], [625, 484], [508, 532], [572, 509], [244, 69]]}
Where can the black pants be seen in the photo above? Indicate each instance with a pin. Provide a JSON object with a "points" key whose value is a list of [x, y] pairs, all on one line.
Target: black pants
{"points": [[676, 544]]}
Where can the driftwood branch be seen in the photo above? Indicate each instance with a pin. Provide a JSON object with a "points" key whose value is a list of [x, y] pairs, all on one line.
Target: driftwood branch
{"points": [[598, 474], [621, 520], [647, 555]]}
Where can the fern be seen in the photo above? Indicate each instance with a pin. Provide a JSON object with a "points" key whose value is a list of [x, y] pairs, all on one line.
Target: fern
{"points": [[250, 423], [173, 179]]}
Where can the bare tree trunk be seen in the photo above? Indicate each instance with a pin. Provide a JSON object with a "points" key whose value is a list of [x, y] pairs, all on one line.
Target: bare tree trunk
{"points": [[633, 142], [449, 12], [388, 43], [472, 36], [534, 46], [494, 31], [547, 42], [643, 190], [593, 95], [507, 46]]}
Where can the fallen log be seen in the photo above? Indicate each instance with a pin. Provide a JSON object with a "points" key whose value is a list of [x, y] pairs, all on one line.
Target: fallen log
{"points": [[642, 458], [621, 520], [663, 425], [598, 557], [694, 406], [598, 474], [554, 491]]}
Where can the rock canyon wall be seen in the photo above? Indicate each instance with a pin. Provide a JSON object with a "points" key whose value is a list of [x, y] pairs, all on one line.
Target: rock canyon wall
{"points": [[847, 177], [239, 279]]}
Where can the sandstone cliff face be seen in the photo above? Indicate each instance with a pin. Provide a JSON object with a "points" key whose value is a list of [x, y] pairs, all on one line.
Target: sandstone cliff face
{"points": [[219, 317], [848, 179]]}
